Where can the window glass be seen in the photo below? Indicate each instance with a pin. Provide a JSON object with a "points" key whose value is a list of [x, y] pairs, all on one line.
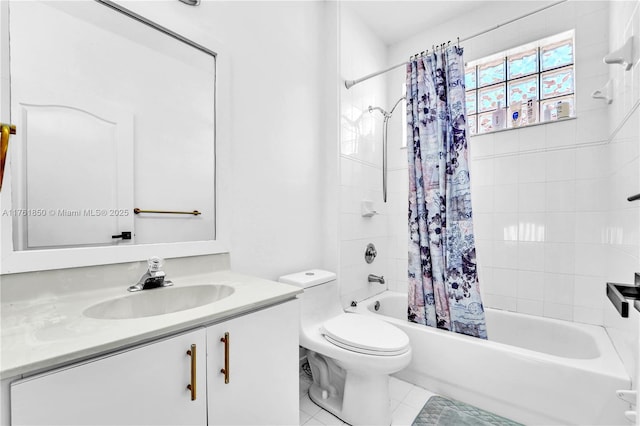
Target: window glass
{"points": [[489, 98], [470, 78], [471, 102], [471, 120], [485, 123], [557, 83], [523, 89], [557, 54], [491, 72], [549, 109], [522, 64]]}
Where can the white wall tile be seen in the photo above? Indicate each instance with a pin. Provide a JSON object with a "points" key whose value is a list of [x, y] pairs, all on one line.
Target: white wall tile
{"points": [[560, 196], [482, 172], [593, 126], [560, 164], [559, 288], [588, 315], [481, 146], [482, 199], [505, 198], [559, 258], [531, 167], [560, 227], [505, 142], [531, 138], [558, 311], [589, 162], [483, 226], [560, 133], [500, 302], [505, 254], [505, 227], [590, 227], [590, 259], [505, 282], [530, 307], [532, 197], [530, 285], [531, 256], [505, 170], [589, 292], [589, 194]]}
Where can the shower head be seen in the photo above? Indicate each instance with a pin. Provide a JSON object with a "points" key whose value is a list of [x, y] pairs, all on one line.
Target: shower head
{"points": [[385, 113]]}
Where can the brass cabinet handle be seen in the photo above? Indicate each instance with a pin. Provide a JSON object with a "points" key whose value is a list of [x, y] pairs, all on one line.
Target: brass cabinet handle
{"points": [[192, 386], [5, 130], [225, 370]]}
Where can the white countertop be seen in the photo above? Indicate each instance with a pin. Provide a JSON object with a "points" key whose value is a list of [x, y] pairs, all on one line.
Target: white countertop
{"points": [[48, 332]]}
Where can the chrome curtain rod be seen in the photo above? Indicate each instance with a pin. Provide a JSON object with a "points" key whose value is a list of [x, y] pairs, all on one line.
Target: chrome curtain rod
{"points": [[350, 83]]}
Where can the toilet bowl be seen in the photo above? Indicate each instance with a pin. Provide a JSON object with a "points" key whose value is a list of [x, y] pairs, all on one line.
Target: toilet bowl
{"points": [[351, 355]]}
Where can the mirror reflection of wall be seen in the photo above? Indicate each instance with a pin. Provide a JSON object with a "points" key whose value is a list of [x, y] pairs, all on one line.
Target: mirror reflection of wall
{"points": [[113, 115]]}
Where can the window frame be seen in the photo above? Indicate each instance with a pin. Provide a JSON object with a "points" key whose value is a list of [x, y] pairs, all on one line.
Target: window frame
{"points": [[507, 56]]}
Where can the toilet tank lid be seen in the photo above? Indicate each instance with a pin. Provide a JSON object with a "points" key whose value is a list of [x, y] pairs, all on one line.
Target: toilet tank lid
{"points": [[308, 278]]}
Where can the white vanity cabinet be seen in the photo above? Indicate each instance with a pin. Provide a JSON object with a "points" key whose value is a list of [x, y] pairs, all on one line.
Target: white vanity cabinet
{"points": [[148, 384], [142, 386], [260, 357]]}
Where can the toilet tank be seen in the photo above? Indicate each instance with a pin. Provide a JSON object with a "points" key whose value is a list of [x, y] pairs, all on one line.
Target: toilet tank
{"points": [[320, 300]]}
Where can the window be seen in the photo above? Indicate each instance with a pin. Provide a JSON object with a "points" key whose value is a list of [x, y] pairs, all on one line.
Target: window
{"points": [[529, 84]]}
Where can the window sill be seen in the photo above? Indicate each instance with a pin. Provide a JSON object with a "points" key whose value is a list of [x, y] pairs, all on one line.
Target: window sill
{"points": [[518, 128], [525, 127]]}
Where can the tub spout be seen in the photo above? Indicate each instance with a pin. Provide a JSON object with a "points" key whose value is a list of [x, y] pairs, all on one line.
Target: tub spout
{"points": [[376, 279]]}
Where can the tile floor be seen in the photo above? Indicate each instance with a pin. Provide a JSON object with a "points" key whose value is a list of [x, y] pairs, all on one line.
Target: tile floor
{"points": [[406, 402]]}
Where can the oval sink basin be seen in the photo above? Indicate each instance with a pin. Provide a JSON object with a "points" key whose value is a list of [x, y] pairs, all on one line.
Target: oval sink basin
{"points": [[159, 301]]}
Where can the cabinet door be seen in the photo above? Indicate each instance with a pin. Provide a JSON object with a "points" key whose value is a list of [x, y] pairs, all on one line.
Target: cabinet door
{"points": [[262, 387], [146, 385]]}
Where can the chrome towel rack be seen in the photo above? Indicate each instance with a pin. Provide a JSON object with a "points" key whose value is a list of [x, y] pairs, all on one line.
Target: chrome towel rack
{"points": [[138, 211]]}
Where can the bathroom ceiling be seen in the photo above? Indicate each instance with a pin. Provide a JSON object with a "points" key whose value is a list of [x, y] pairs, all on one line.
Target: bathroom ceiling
{"points": [[394, 21]]}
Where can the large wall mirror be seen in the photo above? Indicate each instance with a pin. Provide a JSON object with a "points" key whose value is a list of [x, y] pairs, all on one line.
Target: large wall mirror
{"points": [[115, 146]]}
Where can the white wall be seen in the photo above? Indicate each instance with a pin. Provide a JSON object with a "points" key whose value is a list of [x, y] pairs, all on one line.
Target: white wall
{"points": [[361, 159], [278, 133]]}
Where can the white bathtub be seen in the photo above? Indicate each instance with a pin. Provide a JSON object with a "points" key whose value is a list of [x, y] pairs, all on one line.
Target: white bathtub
{"points": [[533, 370]]}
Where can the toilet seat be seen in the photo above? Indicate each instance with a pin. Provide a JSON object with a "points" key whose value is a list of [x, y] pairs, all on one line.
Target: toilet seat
{"points": [[366, 335]]}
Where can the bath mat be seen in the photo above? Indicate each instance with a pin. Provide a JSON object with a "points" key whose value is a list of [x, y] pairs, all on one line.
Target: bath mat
{"points": [[439, 411]]}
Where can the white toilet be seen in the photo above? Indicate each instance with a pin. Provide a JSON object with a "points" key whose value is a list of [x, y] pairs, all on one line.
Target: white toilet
{"points": [[351, 355]]}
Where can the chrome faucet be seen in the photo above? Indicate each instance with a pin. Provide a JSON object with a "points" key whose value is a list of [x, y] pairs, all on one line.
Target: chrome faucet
{"points": [[375, 279], [153, 278]]}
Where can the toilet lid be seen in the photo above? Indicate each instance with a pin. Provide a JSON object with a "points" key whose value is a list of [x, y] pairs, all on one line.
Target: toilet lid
{"points": [[361, 333]]}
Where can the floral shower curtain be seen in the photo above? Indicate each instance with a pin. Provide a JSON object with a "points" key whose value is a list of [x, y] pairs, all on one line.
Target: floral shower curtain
{"points": [[443, 281]]}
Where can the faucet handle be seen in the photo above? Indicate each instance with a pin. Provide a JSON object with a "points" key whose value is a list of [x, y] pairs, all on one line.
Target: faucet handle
{"points": [[155, 263]]}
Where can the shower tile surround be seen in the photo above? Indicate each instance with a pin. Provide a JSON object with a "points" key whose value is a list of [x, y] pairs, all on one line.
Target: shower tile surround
{"points": [[361, 162], [550, 212]]}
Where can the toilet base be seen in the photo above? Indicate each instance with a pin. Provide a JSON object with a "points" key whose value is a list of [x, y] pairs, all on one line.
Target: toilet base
{"points": [[365, 400]]}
